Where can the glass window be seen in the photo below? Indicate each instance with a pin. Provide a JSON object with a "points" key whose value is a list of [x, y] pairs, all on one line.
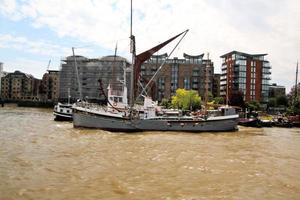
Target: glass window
{"points": [[242, 68], [186, 83], [242, 74], [240, 62]]}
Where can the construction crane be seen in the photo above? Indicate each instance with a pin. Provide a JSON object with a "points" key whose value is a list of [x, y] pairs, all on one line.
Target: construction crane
{"points": [[48, 65]]}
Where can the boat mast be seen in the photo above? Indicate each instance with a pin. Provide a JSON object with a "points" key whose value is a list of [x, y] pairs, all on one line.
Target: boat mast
{"points": [[227, 86], [77, 74], [206, 83], [132, 51], [296, 83], [69, 95], [113, 80]]}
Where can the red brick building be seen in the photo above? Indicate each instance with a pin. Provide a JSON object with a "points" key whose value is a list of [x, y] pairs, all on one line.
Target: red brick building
{"points": [[188, 73], [246, 74]]}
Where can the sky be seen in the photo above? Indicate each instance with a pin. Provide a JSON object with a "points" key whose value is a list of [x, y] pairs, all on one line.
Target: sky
{"points": [[32, 32]]}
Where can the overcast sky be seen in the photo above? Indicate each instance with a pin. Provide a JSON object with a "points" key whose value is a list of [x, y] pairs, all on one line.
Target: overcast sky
{"points": [[34, 31]]}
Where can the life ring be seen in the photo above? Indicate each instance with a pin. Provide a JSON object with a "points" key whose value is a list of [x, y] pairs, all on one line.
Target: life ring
{"points": [[114, 103]]}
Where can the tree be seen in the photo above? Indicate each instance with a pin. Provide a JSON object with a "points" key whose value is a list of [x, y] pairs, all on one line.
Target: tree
{"points": [[186, 99], [218, 100], [272, 102], [291, 95], [294, 109], [282, 101], [253, 105], [166, 103]]}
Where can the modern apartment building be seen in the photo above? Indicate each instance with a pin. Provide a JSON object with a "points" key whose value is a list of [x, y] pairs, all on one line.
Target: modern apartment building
{"points": [[90, 72], [244, 73], [49, 88], [188, 73], [19, 86]]}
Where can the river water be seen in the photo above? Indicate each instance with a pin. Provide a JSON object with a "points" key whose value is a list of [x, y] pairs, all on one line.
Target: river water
{"points": [[44, 159]]}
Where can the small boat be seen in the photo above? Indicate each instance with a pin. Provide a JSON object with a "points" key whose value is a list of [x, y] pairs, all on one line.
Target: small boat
{"points": [[250, 122], [266, 123], [294, 120], [282, 122], [63, 112]]}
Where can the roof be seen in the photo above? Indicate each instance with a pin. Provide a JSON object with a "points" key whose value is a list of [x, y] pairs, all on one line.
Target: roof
{"points": [[160, 56], [243, 54], [113, 58], [187, 56], [276, 86], [17, 72], [52, 70]]}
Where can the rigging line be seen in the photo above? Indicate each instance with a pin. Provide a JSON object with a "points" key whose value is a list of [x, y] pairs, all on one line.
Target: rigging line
{"points": [[105, 96], [144, 90]]}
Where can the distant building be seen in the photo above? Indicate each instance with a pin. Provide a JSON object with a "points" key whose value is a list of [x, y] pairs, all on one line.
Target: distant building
{"points": [[90, 71], [187, 73], [49, 87], [19, 86], [1, 75], [276, 90], [244, 73]]}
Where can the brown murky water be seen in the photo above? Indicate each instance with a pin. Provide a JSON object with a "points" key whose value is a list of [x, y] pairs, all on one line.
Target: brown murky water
{"points": [[44, 159]]}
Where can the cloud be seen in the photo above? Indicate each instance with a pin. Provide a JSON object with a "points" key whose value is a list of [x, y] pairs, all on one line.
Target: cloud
{"points": [[37, 47], [21, 64], [34, 47], [217, 26]]}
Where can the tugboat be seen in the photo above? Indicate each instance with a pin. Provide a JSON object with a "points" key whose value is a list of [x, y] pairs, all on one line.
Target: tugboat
{"points": [[63, 112]]}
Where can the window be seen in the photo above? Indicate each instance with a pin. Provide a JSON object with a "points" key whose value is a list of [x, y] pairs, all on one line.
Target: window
{"points": [[240, 62], [266, 70], [161, 83], [242, 80], [242, 74], [242, 86], [196, 72], [233, 56], [266, 64], [242, 68], [186, 83]]}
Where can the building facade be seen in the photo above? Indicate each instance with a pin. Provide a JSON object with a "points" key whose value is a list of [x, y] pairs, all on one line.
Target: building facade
{"points": [[49, 87], [18, 86], [276, 90], [188, 73], [90, 72], [1, 75], [246, 74], [216, 85]]}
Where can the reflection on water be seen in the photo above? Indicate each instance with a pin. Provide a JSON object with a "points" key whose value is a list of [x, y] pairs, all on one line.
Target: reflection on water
{"points": [[44, 159]]}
